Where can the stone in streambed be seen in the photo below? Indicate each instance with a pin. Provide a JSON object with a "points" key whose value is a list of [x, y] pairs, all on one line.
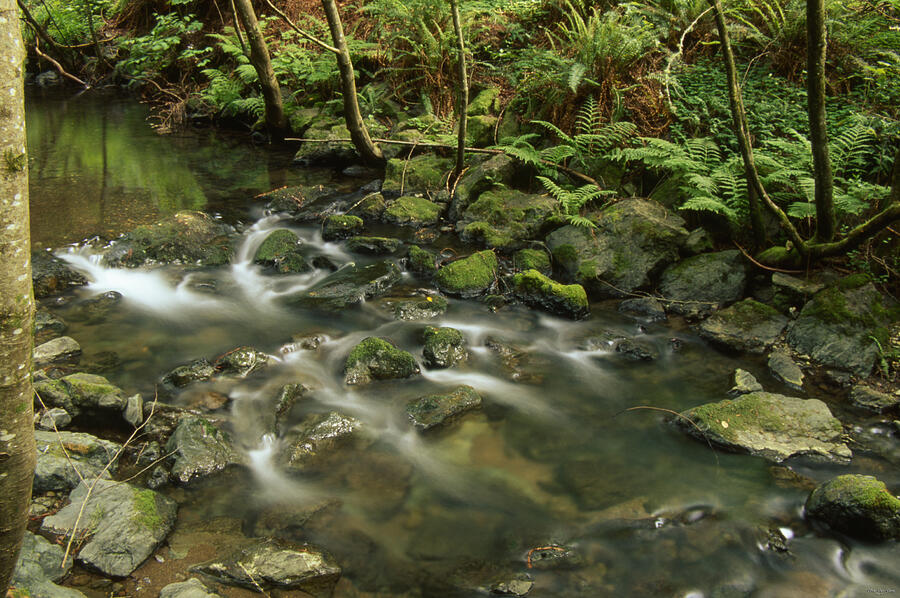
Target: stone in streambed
{"points": [[199, 449], [532, 259], [198, 370], [537, 290], [421, 261], [470, 276], [82, 393], [412, 211], [870, 399], [444, 347], [192, 588], [785, 369], [241, 362], [96, 309], [432, 411], [348, 286], [747, 325], [426, 174], [373, 245], [282, 252], [744, 383], [698, 285], [60, 454], [377, 359], [646, 308], [856, 505], [506, 218], [40, 564], [341, 226], [64, 349], [54, 419], [317, 438], [52, 276], [416, 308], [47, 326]]}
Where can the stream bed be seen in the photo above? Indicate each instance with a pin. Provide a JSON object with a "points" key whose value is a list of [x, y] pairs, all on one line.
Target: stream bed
{"points": [[571, 451]]}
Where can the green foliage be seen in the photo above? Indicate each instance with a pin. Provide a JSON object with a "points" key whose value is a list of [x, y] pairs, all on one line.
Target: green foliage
{"points": [[67, 22], [164, 46]]}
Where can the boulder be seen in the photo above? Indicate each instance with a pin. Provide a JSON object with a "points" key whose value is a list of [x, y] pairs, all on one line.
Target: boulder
{"points": [[839, 326], [412, 211], [374, 245], [40, 564], [646, 308], [63, 349], [52, 276], [198, 370], [539, 291], [271, 564], [416, 308], [425, 174], [303, 202], [516, 585], [241, 362], [317, 437], [856, 505], [330, 147], [444, 347], [192, 588], [785, 369], [377, 359], [288, 396], [633, 241], [506, 218], [486, 102], [700, 284], [187, 237], [744, 383], [371, 207], [349, 286], [870, 399], [199, 449], [769, 425], [124, 523], [636, 350], [496, 172], [82, 393], [341, 226], [792, 292], [421, 261], [747, 325], [432, 411], [282, 252], [532, 259], [54, 419], [470, 276], [65, 458]]}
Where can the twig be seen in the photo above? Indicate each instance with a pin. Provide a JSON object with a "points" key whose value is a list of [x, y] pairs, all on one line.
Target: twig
{"points": [[59, 439], [304, 34], [673, 57], [253, 579], [58, 66], [763, 266]]}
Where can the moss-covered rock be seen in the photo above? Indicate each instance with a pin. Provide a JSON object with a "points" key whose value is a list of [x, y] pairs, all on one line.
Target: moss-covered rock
{"points": [[532, 259], [241, 361], [496, 172], [700, 284], [487, 101], [374, 245], [870, 399], [341, 226], [421, 260], [304, 203], [65, 458], [747, 325], [348, 286], [646, 308], [82, 393], [506, 218], [421, 174], [432, 411], [412, 211], [480, 130], [326, 149], [444, 347], [281, 251], [371, 207], [769, 425], [856, 505], [470, 276], [376, 359], [537, 290], [199, 370]]}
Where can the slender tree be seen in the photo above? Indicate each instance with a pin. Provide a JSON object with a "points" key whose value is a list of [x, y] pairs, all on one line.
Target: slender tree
{"points": [[17, 450], [816, 46], [276, 122], [463, 101]]}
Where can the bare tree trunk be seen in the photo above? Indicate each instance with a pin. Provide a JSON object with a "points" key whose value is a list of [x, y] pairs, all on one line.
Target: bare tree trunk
{"points": [[816, 46], [358, 131], [463, 101], [276, 122], [17, 450]]}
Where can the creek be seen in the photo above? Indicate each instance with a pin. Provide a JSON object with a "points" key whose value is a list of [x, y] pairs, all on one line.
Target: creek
{"points": [[554, 458]]}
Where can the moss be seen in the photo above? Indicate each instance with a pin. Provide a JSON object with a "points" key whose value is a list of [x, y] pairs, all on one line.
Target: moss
{"points": [[567, 254], [854, 281], [535, 288], [442, 336], [865, 491], [374, 245], [146, 511], [421, 260], [277, 244], [381, 359], [412, 210], [372, 206], [341, 226], [480, 130], [587, 271], [485, 102], [89, 385], [469, 276], [532, 259], [748, 313], [426, 173], [484, 233]]}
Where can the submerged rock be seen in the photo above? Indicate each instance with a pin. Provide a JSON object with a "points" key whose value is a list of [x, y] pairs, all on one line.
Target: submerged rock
{"points": [[277, 564], [518, 364], [65, 458], [349, 286], [377, 359], [517, 585], [702, 283], [282, 252], [636, 350], [506, 218], [432, 411], [300, 201], [96, 309], [537, 290], [47, 326], [40, 564], [470, 276], [192, 588], [52, 276], [870, 399], [554, 557], [856, 505], [747, 325], [444, 347], [124, 523], [64, 349], [199, 449], [317, 437], [647, 308], [412, 211], [769, 425], [374, 245]]}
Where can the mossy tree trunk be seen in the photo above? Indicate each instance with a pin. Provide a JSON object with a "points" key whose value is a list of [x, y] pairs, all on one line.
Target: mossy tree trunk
{"points": [[276, 122], [17, 450], [816, 46], [463, 101]]}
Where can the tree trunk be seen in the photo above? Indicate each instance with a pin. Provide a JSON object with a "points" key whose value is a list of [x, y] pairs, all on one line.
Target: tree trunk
{"points": [[276, 122], [358, 131], [463, 101], [816, 45], [17, 450]]}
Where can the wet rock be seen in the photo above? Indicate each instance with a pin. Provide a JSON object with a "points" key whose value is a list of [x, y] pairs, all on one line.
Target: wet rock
{"points": [[635, 350], [60, 455], [192, 588], [532, 259], [432, 411], [647, 308], [417, 308], [282, 252], [125, 524], [64, 349], [317, 438], [792, 292], [444, 347], [241, 362], [700, 284], [341, 226], [134, 410], [870, 399], [412, 211], [96, 309], [199, 449], [747, 325], [187, 237], [348, 286], [82, 393], [421, 261], [198, 370], [277, 564], [784, 369], [537, 290], [634, 239], [744, 383], [52, 276], [293, 200], [288, 396], [836, 328], [383, 479], [506, 218], [289, 520], [554, 557], [377, 359], [856, 505], [40, 564], [497, 171], [47, 326], [518, 585], [54, 419], [371, 207], [518, 365], [374, 245], [425, 174], [769, 425], [470, 276]]}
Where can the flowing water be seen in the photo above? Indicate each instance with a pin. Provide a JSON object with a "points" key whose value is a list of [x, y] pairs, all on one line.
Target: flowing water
{"points": [[554, 458]]}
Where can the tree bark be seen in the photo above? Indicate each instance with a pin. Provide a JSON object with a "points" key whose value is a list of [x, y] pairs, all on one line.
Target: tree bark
{"points": [[17, 450], [816, 46], [463, 102], [358, 131], [276, 122]]}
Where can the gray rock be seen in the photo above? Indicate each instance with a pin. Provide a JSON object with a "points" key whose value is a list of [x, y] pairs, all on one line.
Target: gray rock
{"points": [[872, 400], [192, 588], [747, 325], [697, 242], [52, 276], [200, 449], [349, 286], [791, 291], [703, 283], [377, 359], [134, 410], [856, 505], [47, 326], [635, 350], [432, 411], [517, 585], [274, 563], [287, 397], [40, 564], [634, 240], [124, 523], [744, 383], [60, 455], [96, 309], [317, 437], [785, 370], [198, 370], [416, 308], [647, 308], [54, 418], [81, 393], [341, 226], [554, 558], [293, 200], [444, 347], [241, 361], [64, 349], [506, 218], [374, 245], [769, 425]]}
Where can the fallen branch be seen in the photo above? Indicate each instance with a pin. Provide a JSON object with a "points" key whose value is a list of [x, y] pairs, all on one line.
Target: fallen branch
{"points": [[58, 66], [302, 33], [763, 266]]}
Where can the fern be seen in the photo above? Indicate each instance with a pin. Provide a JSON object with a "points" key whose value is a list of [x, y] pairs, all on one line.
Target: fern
{"points": [[571, 201]]}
